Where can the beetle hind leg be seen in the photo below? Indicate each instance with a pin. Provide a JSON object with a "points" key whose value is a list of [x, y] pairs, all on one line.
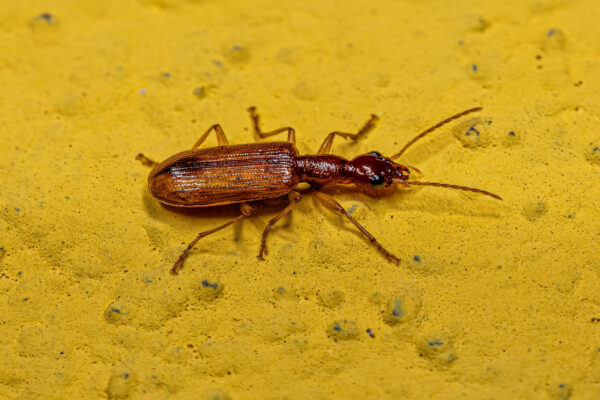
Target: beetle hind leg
{"points": [[255, 122], [221, 138], [337, 207], [246, 211]]}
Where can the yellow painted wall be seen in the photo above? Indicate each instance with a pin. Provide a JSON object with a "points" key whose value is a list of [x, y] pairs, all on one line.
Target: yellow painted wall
{"points": [[492, 300]]}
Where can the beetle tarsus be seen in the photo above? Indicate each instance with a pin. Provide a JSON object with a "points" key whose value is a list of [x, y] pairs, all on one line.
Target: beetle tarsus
{"points": [[262, 252]]}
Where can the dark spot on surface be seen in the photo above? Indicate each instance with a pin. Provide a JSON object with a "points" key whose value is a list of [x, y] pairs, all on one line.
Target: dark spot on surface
{"points": [[25, 298], [46, 17], [551, 32], [207, 284], [578, 83], [125, 375], [511, 133], [115, 310], [237, 178], [473, 130], [474, 67], [337, 328], [397, 310], [435, 343], [17, 209], [417, 258], [218, 63], [370, 333], [166, 75], [200, 92]]}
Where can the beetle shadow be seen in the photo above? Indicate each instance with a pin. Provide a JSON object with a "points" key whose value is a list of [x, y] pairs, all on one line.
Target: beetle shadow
{"points": [[179, 217]]}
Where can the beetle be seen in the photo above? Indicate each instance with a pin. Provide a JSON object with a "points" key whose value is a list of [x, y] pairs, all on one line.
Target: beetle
{"points": [[239, 174]]}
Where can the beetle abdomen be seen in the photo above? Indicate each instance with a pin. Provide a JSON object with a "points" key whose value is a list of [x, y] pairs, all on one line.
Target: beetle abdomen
{"points": [[225, 175]]}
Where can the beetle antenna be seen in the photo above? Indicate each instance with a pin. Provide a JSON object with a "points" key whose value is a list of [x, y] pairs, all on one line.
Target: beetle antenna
{"points": [[446, 185], [433, 128]]}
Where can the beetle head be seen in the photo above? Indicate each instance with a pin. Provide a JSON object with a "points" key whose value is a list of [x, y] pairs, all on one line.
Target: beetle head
{"points": [[376, 171]]}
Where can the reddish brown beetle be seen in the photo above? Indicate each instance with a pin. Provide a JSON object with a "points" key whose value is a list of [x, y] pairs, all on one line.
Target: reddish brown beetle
{"points": [[229, 174]]}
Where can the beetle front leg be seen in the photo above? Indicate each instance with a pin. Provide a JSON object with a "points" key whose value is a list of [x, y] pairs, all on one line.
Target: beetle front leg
{"points": [[335, 206], [294, 197], [246, 211], [328, 142]]}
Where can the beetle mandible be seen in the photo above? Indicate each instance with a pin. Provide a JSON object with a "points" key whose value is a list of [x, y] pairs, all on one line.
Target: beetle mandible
{"points": [[238, 174]]}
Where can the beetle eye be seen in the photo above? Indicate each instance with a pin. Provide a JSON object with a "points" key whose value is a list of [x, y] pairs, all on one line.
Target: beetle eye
{"points": [[377, 182]]}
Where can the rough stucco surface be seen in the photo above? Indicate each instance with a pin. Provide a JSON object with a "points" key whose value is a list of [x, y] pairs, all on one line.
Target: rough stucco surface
{"points": [[491, 299]]}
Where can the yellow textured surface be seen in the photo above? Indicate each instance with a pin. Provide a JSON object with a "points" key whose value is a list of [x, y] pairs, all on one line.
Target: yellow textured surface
{"points": [[491, 300]]}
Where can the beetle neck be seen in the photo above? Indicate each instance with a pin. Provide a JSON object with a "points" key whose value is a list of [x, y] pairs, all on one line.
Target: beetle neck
{"points": [[322, 169]]}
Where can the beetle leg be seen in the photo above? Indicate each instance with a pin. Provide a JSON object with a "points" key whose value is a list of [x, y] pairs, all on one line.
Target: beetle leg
{"points": [[255, 120], [335, 206], [145, 160], [221, 138], [328, 142], [246, 211], [294, 197]]}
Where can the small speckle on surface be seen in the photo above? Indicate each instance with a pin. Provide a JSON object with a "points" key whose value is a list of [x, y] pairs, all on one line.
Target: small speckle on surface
{"points": [[46, 17], [117, 313], [472, 131], [534, 210], [592, 154], [207, 284], [202, 92], [208, 290], [237, 54], [142, 91], [474, 67], [331, 298], [560, 391], [439, 349], [554, 41], [343, 330], [120, 385]]}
